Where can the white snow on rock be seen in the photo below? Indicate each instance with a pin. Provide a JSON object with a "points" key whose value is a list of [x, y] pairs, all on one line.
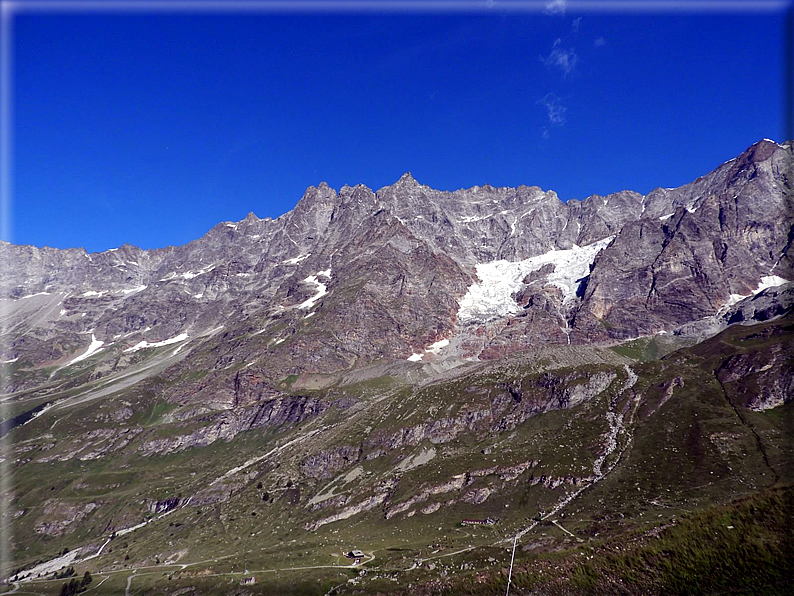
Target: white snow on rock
{"points": [[435, 348], [322, 289], [766, 282], [135, 289], [296, 260], [668, 216], [145, 344], [770, 281], [100, 293], [776, 143], [734, 298], [188, 274], [95, 346], [471, 218], [32, 295], [492, 296], [192, 274]]}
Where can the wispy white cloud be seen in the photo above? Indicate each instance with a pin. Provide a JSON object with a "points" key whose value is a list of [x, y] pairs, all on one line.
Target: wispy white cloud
{"points": [[575, 25], [554, 109], [556, 6], [563, 58], [600, 41]]}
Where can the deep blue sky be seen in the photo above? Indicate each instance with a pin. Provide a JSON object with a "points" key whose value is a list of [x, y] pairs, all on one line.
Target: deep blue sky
{"points": [[150, 129]]}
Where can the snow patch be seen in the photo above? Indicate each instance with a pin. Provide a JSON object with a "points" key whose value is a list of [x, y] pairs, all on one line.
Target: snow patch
{"points": [[415, 357], [145, 344], [322, 289], [471, 218], [95, 346], [492, 296], [296, 260], [188, 274], [435, 348], [9, 361], [135, 289], [775, 142], [192, 274], [766, 282], [32, 295], [770, 281], [734, 298], [665, 217]]}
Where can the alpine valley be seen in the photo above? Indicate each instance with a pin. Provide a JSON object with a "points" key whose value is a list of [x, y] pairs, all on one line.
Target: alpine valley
{"points": [[384, 392]]}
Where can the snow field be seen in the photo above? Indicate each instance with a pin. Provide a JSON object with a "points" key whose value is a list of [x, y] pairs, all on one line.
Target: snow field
{"points": [[492, 296]]}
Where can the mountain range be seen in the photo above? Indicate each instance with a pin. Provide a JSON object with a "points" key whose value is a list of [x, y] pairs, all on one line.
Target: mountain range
{"points": [[419, 374]]}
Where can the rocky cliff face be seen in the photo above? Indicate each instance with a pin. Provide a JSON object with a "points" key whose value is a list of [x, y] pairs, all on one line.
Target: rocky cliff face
{"points": [[355, 276]]}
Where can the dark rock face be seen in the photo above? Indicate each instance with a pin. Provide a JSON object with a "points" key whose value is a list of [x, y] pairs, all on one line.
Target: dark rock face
{"points": [[760, 379], [354, 277], [164, 505], [326, 464], [727, 231]]}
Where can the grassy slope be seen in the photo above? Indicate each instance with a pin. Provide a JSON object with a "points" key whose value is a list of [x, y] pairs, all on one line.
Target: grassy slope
{"points": [[684, 452]]}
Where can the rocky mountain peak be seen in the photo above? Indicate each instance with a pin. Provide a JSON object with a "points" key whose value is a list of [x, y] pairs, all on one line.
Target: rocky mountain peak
{"points": [[405, 184], [394, 263], [407, 179]]}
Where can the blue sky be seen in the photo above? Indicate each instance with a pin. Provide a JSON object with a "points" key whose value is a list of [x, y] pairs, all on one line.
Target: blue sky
{"points": [[151, 128]]}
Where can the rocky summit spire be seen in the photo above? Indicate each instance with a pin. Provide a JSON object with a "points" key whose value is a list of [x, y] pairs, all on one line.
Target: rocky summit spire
{"points": [[407, 179]]}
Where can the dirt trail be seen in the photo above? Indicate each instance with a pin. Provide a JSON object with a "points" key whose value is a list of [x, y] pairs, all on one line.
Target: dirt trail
{"points": [[615, 427]]}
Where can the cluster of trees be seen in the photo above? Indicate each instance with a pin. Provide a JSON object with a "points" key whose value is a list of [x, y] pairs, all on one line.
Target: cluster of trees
{"points": [[74, 586], [68, 572]]}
